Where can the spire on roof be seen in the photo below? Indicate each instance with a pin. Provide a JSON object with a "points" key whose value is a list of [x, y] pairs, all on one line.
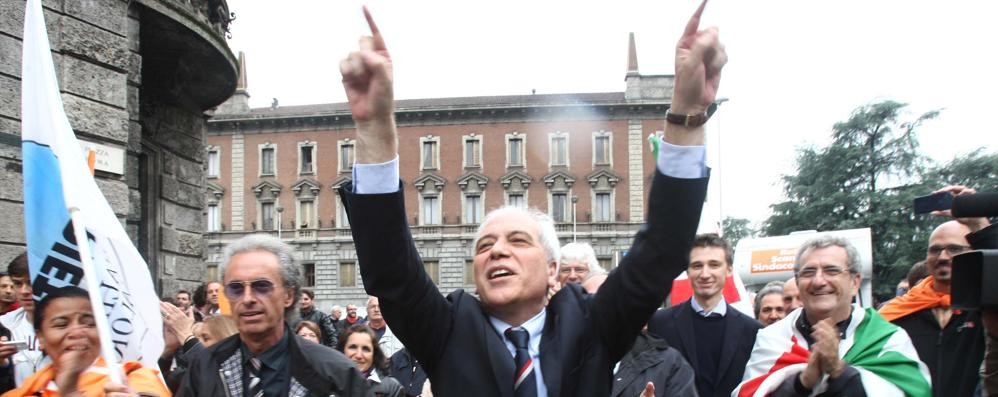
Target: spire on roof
{"points": [[241, 82], [632, 56]]}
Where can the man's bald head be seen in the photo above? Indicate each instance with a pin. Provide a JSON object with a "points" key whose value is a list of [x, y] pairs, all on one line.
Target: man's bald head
{"points": [[791, 296]]}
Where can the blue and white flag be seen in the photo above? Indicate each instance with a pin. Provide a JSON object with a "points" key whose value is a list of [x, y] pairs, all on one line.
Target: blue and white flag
{"points": [[56, 177]]}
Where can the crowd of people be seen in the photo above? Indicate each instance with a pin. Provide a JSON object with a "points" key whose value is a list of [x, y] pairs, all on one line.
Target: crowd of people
{"points": [[544, 319]]}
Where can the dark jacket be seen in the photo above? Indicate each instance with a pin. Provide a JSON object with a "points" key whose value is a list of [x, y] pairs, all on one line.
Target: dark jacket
{"points": [[387, 387], [316, 370], [584, 335], [675, 325], [652, 360], [6, 367], [406, 369], [325, 323]]}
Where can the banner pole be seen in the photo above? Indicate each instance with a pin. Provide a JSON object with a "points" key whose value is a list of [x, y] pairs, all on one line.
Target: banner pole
{"points": [[96, 300]]}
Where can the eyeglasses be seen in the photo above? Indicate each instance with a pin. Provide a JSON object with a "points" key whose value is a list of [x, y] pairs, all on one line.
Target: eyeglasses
{"points": [[952, 249], [236, 290], [571, 269], [828, 271]]}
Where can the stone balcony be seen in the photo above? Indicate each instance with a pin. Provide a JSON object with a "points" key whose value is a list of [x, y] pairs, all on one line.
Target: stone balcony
{"points": [[185, 52]]}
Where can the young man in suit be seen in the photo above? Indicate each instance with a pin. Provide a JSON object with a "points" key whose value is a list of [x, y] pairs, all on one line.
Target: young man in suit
{"points": [[513, 340], [715, 338]]}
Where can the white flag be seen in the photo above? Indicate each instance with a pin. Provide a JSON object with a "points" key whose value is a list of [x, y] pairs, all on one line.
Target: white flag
{"points": [[56, 178]]}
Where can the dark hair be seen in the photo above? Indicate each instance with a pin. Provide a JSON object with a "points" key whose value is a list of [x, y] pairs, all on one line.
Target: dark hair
{"points": [[200, 297], [380, 361], [917, 272], [312, 326], [710, 240], [18, 267], [311, 295], [64, 292], [183, 291]]}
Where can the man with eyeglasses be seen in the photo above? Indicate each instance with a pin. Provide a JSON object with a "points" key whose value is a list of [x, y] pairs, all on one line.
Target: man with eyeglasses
{"points": [[831, 346], [262, 284], [951, 342], [578, 262]]}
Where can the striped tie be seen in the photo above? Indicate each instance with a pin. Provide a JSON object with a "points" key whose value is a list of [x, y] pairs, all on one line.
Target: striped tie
{"points": [[525, 384], [255, 385]]}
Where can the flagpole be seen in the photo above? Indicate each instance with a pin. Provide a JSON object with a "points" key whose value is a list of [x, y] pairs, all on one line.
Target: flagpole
{"points": [[96, 300]]}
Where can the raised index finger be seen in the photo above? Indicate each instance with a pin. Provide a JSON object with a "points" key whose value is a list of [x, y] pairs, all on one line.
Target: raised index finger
{"points": [[379, 42], [694, 24]]}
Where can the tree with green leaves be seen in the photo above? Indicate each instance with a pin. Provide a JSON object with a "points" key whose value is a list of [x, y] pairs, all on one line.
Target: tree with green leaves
{"points": [[867, 177], [735, 229]]}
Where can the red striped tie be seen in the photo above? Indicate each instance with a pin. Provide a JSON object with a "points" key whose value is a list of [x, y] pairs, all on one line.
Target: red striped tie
{"points": [[525, 382]]}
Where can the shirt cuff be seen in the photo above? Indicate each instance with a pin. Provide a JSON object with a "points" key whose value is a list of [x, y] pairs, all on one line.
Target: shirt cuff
{"points": [[376, 178], [687, 162]]}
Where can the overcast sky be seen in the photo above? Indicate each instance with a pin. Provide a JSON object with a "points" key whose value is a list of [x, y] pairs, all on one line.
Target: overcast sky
{"points": [[796, 67]]}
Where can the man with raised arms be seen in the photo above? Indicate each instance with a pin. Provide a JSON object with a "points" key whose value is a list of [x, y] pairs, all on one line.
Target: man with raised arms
{"points": [[514, 341]]}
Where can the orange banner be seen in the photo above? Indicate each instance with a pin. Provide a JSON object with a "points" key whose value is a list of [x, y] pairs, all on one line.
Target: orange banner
{"points": [[775, 260]]}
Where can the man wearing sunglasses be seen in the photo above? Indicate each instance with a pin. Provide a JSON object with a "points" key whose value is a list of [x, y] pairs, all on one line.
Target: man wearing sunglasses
{"points": [[513, 341], [951, 342], [262, 284]]}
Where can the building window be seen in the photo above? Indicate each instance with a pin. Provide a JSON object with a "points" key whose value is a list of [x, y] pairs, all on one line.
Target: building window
{"points": [[342, 221], [559, 207], [559, 149], [267, 216], [601, 148], [516, 200], [469, 272], [308, 274], [432, 270], [306, 157], [431, 210], [211, 273], [214, 218], [602, 208], [514, 151], [430, 154], [348, 274], [214, 163], [267, 161], [472, 152], [306, 214], [346, 156], [473, 209], [606, 263]]}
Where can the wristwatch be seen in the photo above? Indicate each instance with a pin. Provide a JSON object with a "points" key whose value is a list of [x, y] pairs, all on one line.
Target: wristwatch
{"points": [[691, 120]]}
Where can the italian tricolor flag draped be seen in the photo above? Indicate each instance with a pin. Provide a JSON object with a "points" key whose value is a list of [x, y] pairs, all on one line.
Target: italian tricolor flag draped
{"points": [[882, 352]]}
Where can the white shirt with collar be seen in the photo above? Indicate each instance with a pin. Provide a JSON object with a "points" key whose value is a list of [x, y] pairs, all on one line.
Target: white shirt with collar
{"points": [[534, 326], [720, 308]]}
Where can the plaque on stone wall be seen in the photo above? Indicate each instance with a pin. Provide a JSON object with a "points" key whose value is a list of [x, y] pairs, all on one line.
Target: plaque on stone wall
{"points": [[108, 158]]}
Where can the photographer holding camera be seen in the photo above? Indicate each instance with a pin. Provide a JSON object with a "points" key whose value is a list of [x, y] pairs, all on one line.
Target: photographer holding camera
{"points": [[950, 342]]}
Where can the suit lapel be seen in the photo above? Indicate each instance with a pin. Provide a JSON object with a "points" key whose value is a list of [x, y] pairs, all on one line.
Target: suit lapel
{"points": [[499, 357], [551, 354], [732, 330], [684, 326], [231, 372]]}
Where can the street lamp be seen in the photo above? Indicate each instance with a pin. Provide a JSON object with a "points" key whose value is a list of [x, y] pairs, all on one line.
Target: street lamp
{"points": [[575, 200], [279, 210]]}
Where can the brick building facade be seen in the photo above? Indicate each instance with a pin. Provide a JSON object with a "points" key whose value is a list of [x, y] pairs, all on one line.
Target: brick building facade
{"points": [[582, 158]]}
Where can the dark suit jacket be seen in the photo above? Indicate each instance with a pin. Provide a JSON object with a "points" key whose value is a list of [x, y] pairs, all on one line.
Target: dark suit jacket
{"points": [[584, 335], [675, 325]]}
